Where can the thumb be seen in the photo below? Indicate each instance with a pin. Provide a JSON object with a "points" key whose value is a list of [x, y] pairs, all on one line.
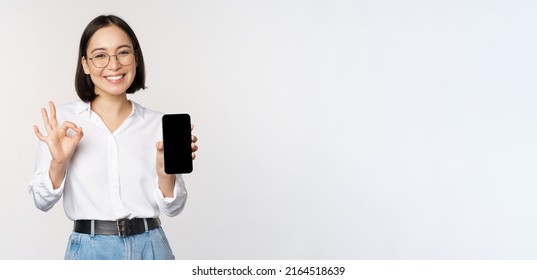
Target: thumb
{"points": [[79, 134], [160, 146]]}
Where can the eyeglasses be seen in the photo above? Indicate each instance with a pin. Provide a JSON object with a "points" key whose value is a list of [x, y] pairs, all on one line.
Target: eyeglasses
{"points": [[101, 60]]}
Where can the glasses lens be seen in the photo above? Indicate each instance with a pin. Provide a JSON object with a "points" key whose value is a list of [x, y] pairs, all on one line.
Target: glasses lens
{"points": [[100, 60], [125, 58]]}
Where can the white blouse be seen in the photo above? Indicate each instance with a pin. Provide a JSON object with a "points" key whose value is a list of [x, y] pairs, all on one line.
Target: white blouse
{"points": [[111, 175]]}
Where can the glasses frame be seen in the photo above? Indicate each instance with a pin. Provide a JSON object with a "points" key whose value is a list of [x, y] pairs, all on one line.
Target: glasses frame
{"points": [[110, 57]]}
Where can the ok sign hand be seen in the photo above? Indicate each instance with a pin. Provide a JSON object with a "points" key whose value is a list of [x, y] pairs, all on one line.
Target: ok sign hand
{"points": [[61, 146]]}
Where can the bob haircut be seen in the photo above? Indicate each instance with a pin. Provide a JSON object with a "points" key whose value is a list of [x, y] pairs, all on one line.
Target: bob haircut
{"points": [[83, 84]]}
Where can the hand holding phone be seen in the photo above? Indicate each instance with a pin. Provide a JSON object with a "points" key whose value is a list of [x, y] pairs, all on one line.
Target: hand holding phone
{"points": [[177, 138]]}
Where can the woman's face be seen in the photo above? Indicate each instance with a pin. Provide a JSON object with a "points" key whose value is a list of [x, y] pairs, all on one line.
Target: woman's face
{"points": [[114, 78]]}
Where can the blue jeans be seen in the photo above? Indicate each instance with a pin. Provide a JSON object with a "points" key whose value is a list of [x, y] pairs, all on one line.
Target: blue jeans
{"points": [[150, 245]]}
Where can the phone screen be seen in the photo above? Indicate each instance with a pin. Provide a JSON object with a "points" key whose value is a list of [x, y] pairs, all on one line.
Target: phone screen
{"points": [[177, 138]]}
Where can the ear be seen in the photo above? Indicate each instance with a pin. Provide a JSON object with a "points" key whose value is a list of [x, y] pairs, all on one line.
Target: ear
{"points": [[85, 65]]}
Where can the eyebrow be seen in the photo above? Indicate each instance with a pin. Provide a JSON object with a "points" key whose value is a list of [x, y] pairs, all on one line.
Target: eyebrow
{"points": [[103, 49]]}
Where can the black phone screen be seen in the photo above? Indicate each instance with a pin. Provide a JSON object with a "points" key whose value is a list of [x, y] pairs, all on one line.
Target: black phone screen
{"points": [[177, 138]]}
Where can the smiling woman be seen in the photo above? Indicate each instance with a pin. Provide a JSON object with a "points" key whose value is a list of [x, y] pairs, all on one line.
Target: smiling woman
{"points": [[107, 34], [111, 176], [110, 77]]}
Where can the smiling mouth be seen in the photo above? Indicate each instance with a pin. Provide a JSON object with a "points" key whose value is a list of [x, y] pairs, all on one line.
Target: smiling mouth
{"points": [[114, 78]]}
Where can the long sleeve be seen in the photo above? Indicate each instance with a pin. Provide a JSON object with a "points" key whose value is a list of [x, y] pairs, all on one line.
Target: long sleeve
{"points": [[40, 185], [172, 206], [111, 175]]}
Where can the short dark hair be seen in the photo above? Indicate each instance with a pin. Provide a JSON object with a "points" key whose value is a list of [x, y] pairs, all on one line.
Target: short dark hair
{"points": [[83, 84]]}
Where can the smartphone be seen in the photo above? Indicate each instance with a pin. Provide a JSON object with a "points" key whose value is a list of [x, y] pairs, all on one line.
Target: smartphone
{"points": [[177, 138]]}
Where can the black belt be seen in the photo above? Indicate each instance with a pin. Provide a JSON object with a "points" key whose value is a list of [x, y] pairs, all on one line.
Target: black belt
{"points": [[122, 227]]}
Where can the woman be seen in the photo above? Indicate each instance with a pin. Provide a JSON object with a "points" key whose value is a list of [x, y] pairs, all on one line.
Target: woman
{"points": [[106, 157]]}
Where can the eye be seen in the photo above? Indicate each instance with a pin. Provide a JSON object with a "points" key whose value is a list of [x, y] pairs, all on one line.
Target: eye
{"points": [[100, 56], [124, 53]]}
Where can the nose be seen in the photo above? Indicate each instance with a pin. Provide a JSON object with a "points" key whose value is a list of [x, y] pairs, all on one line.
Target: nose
{"points": [[114, 64]]}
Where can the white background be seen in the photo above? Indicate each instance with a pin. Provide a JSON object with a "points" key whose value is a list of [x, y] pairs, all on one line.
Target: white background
{"points": [[328, 129]]}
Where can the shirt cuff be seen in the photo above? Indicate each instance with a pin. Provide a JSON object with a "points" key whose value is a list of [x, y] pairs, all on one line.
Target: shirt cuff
{"points": [[172, 206], [45, 196], [48, 184], [167, 199]]}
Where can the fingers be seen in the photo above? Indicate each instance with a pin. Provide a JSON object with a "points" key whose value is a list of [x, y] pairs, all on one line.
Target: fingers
{"points": [[53, 120], [160, 146], [69, 125], [194, 146], [79, 134], [44, 114], [38, 134], [66, 125]]}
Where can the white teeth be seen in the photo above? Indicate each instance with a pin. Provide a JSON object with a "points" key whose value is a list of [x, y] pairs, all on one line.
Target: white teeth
{"points": [[114, 78]]}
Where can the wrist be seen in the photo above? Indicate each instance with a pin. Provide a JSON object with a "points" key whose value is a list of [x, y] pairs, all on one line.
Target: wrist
{"points": [[59, 165], [166, 183], [163, 177], [56, 173]]}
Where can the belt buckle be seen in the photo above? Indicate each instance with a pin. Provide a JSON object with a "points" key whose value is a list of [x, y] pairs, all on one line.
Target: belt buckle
{"points": [[123, 227]]}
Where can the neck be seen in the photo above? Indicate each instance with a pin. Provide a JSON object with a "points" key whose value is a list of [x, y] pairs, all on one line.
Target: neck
{"points": [[111, 105]]}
